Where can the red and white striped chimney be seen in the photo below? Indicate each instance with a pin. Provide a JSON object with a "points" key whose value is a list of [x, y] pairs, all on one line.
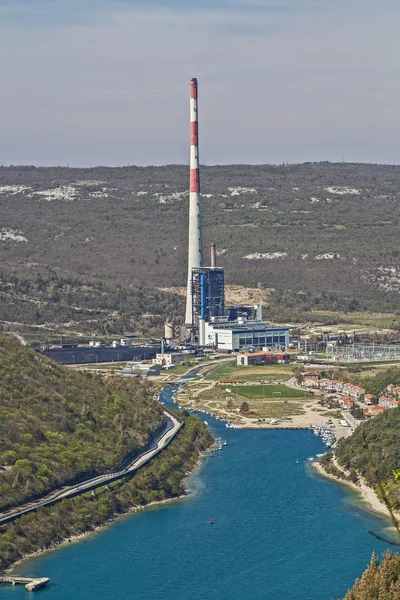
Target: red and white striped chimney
{"points": [[195, 252]]}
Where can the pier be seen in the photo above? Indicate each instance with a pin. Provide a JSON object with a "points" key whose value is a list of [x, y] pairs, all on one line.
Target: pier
{"points": [[31, 583]]}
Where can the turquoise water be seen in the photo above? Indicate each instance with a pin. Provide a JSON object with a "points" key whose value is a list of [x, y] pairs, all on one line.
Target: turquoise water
{"points": [[279, 533]]}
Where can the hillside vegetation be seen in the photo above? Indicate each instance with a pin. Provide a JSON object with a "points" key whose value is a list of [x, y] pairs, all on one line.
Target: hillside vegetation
{"points": [[59, 425], [322, 234], [379, 581], [84, 306], [161, 479], [383, 438]]}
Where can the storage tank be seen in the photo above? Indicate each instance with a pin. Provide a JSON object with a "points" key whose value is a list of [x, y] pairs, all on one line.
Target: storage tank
{"points": [[168, 331]]}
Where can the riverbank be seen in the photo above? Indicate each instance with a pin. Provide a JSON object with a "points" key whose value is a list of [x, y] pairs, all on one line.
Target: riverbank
{"points": [[162, 480], [367, 494], [89, 532]]}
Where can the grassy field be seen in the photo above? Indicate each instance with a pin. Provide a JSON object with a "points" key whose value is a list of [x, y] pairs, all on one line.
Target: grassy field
{"points": [[217, 399], [373, 320], [265, 372], [269, 391]]}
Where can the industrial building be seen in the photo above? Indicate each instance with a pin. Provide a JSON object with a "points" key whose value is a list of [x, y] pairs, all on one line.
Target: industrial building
{"points": [[207, 321], [135, 369], [207, 288], [169, 358], [262, 358], [242, 334]]}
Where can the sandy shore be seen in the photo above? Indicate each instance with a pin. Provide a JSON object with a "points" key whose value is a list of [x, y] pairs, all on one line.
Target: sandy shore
{"points": [[367, 494]]}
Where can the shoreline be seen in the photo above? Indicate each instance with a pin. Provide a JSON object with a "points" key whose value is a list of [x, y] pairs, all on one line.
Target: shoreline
{"points": [[86, 534], [366, 493]]}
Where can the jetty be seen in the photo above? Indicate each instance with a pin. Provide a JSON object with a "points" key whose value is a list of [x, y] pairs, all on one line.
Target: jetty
{"points": [[31, 583]]}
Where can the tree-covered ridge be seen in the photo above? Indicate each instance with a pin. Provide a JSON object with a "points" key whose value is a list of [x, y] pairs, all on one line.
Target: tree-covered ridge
{"points": [[383, 437], [379, 581], [161, 479], [59, 425], [89, 305]]}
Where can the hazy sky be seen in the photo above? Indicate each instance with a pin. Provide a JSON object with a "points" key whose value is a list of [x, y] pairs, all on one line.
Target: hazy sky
{"points": [[90, 82]]}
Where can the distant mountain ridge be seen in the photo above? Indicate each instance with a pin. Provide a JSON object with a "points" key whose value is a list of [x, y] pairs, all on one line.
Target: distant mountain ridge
{"points": [[311, 228]]}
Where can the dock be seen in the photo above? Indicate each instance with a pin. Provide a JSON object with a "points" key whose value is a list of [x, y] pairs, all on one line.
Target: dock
{"points": [[31, 583]]}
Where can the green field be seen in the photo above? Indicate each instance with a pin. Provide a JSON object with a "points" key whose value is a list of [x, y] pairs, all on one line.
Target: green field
{"points": [[265, 372], [268, 391]]}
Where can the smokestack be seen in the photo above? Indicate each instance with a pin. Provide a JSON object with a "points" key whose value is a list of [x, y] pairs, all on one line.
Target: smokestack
{"points": [[195, 258], [213, 256]]}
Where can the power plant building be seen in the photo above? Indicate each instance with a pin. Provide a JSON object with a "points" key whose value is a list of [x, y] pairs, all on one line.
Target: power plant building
{"points": [[235, 336], [206, 319], [207, 289]]}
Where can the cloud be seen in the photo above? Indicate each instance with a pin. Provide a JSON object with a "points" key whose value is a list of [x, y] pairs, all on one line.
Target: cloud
{"points": [[110, 86]]}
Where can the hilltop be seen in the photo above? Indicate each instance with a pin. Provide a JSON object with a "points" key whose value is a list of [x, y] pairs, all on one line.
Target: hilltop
{"points": [[321, 234]]}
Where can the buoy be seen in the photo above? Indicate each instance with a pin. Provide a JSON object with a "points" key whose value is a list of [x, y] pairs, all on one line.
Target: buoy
{"points": [[211, 522]]}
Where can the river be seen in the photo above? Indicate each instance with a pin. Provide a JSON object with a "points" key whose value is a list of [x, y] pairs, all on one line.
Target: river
{"points": [[280, 533]]}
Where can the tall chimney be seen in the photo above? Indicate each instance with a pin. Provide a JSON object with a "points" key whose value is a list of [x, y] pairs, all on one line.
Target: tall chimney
{"points": [[213, 256], [195, 252]]}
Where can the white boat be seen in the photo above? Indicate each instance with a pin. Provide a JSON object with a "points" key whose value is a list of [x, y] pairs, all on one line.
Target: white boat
{"points": [[205, 422]]}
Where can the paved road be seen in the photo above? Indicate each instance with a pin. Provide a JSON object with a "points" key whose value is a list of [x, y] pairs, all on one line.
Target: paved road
{"points": [[174, 425]]}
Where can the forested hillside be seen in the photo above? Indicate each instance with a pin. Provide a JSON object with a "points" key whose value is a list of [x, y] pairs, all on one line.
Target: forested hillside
{"points": [[161, 479], [380, 581], [87, 306], [59, 425], [323, 230], [383, 436]]}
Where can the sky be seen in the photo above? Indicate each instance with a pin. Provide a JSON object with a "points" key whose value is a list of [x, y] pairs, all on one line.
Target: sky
{"points": [[106, 82]]}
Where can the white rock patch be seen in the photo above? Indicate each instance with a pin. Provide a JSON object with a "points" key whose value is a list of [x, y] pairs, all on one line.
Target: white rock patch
{"points": [[164, 199], [313, 200], [236, 191], [67, 193], [99, 194], [327, 256], [342, 191], [142, 193], [11, 235], [265, 255], [13, 189]]}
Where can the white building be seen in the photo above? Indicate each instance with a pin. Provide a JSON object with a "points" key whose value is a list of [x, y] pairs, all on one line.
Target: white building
{"points": [[134, 369], [233, 336], [169, 358]]}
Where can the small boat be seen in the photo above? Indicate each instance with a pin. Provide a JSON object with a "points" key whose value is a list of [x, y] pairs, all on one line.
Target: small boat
{"points": [[297, 461], [205, 422], [311, 459]]}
